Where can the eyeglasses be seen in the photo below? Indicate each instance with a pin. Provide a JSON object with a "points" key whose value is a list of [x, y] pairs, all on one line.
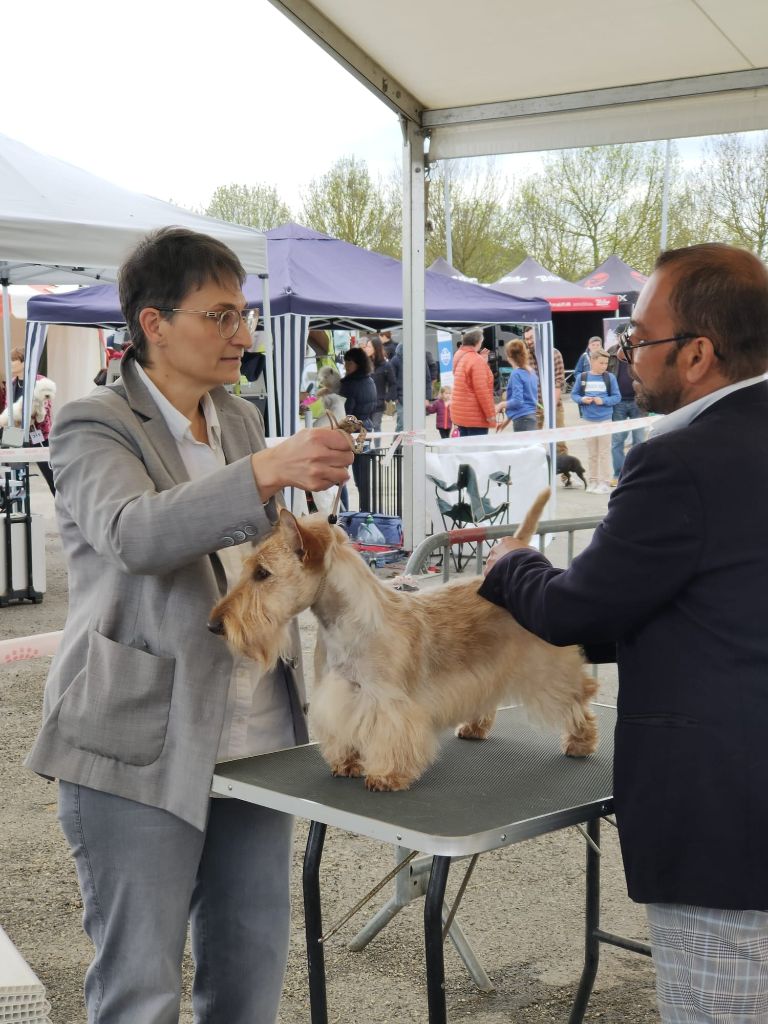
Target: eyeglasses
{"points": [[227, 320], [628, 345]]}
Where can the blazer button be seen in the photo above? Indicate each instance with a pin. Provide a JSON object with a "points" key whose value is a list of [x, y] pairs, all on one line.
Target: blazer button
{"points": [[250, 531], [239, 536], [227, 542]]}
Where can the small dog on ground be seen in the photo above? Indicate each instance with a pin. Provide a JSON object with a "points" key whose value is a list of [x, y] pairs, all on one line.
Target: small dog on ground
{"points": [[567, 464], [44, 390], [393, 669]]}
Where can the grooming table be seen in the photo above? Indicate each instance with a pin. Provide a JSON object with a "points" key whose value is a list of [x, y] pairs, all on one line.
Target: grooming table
{"points": [[477, 796]]}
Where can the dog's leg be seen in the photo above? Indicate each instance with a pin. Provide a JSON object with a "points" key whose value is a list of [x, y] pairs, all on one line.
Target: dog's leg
{"points": [[401, 745], [580, 738], [477, 729], [334, 714]]}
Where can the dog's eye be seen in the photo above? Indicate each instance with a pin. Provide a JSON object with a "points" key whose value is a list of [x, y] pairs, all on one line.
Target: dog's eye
{"points": [[261, 573]]}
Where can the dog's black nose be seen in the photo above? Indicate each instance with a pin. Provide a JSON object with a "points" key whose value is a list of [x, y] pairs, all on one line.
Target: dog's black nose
{"points": [[216, 626]]}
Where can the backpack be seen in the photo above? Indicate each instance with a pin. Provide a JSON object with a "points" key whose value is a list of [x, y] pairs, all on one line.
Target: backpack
{"points": [[583, 380]]}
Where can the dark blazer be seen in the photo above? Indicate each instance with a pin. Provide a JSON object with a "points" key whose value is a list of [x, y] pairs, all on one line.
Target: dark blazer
{"points": [[677, 576], [359, 391]]}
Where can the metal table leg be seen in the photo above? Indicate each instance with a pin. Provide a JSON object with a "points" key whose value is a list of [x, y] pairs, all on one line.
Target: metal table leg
{"points": [[591, 926], [433, 939], [313, 924]]}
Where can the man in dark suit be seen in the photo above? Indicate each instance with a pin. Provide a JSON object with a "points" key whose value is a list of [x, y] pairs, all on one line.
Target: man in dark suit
{"points": [[675, 577]]}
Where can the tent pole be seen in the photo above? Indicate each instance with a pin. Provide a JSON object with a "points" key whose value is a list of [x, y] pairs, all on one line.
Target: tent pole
{"points": [[7, 347], [447, 202], [269, 353], [414, 345]]}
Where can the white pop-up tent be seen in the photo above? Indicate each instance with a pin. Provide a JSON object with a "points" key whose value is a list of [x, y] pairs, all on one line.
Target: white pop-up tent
{"points": [[676, 69], [62, 225]]}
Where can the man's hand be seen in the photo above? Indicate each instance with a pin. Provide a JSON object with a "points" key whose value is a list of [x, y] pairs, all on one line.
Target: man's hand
{"points": [[500, 548], [312, 460], [597, 401], [587, 401]]}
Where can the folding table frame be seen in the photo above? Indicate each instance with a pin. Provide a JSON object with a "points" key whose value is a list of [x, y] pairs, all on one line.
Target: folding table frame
{"points": [[475, 798]]}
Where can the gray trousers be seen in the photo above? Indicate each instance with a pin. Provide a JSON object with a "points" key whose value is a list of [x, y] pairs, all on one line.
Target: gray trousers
{"points": [[144, 873]]}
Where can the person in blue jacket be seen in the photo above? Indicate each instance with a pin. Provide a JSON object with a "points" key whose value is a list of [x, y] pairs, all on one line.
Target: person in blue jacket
{"points": [[584, 361], [519, 405], [596, 392]]}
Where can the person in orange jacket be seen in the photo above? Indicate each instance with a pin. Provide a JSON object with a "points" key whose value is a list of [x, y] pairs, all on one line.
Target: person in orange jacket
{"points": [[472, 407]]}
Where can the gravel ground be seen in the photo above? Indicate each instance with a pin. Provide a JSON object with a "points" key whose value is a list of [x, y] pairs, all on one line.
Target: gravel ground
{"points": [[523, 910]]}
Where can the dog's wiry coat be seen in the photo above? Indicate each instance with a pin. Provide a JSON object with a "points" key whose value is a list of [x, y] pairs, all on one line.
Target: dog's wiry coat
{"points": [[394, 669]]}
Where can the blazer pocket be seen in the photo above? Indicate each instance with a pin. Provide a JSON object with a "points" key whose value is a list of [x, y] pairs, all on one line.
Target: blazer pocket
{"points": [[118, 706]]}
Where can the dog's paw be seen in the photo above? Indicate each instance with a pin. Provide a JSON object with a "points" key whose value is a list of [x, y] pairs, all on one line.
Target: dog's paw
{"points": [[387, 783], [582, 745], [349, 768], [473, 730]]}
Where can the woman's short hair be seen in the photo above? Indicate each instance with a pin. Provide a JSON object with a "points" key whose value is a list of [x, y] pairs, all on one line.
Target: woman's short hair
{"points": [[164, 268], [360, 359]]}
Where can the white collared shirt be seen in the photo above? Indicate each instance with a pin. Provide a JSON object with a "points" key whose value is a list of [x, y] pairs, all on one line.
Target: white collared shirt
{"points": [[687, 413], [258, 715]]}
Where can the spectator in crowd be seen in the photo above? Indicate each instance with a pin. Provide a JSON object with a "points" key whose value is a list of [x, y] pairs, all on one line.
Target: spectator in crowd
{"points": [[383, 376], [359, 391], [596, 392], [164, 482], [397, 366], [626, 409], [558, 367], [472, 406], [519, 405], [673, 586], [388, 345], [42, 412], [583, 363], [441, 407]]}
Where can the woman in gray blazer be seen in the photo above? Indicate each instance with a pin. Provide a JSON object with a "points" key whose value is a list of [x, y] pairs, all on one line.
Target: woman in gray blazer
{"points": [[163, 481]]}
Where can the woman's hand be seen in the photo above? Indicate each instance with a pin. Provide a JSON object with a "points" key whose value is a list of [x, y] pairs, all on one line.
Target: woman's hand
{"points": [[312, 460]]}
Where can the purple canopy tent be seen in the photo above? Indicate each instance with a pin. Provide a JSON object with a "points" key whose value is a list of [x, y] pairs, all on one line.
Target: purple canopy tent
{"points": [[441, 266], [531, 279], [615, 277], [318, 279]]}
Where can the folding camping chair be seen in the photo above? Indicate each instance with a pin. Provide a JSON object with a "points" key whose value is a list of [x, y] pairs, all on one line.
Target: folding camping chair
{"points": [[470, 508]]}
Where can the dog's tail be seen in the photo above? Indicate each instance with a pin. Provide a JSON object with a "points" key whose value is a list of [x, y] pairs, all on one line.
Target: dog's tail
{"points": [[527, 527]]}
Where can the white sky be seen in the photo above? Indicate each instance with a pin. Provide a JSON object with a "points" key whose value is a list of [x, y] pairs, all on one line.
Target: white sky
{"points": [[175, 98]]}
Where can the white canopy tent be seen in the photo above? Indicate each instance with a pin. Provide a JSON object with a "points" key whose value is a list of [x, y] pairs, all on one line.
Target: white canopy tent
{"points": [[62, 225], [676, 69]]}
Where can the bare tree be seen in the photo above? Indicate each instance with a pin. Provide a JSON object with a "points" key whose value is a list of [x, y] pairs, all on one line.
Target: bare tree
{"points": [[734, 187]]}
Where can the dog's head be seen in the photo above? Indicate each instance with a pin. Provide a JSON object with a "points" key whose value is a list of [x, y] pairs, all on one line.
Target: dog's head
{"points": [[328, 378], [280, 578], [44, 389]]}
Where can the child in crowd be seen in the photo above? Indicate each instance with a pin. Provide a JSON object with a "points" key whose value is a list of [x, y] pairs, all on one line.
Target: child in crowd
{"points": [[596, 391], [519, 404], [442, 409]]}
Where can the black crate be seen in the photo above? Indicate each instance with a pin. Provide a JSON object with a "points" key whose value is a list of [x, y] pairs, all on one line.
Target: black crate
{"points": [[380, 483]]}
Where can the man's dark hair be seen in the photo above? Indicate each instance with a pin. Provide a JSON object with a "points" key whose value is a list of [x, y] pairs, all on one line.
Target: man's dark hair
{"points": [[721, 293], [360, 359], [164, 268]]}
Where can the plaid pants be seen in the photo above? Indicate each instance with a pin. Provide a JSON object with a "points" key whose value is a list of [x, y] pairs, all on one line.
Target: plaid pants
{"points": [[711, 965]]}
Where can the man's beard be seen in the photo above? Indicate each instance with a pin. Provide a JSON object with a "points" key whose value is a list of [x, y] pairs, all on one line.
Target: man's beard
{"points": [[665, 396]]}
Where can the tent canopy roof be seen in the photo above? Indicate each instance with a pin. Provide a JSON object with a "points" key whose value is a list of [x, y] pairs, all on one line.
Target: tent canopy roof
{"points": [[531, 279], [55, 217], [614, 277], [671, 70], [312, 274]]}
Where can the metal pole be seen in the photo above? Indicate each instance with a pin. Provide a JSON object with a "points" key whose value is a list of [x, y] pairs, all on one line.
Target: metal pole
{"points": [[665, 195], [313, 924], [414, 346], [269, 350], [447, 200], [7, 350]]}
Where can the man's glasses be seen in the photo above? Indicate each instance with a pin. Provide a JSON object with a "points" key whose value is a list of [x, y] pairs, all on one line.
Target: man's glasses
{"points": [[628, 344], [227, 320]]}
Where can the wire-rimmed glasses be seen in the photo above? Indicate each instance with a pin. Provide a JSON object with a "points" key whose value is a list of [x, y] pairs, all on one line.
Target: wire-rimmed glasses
{"points": [[227, 320]]}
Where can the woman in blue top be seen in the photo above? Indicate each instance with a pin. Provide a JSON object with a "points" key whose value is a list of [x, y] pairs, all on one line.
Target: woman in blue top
{"points": [[522, 389], [596, 391]]}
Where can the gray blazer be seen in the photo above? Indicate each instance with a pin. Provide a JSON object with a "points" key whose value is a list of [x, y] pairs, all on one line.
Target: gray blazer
{"points": [[135, 698]]}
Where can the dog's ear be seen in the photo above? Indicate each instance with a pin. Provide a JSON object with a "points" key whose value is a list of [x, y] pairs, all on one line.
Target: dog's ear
{"points": [[307, 545]]}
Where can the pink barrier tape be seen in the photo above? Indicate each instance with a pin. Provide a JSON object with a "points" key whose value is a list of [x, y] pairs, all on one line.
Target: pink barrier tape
{"points": [[25, 647]]}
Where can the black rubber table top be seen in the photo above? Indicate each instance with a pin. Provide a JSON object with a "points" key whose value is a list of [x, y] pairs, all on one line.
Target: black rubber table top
{"points": [[475, 797]]}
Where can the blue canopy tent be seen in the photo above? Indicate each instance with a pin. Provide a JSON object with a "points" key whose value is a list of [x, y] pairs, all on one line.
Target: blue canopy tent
{"points": [[318, 280]]}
